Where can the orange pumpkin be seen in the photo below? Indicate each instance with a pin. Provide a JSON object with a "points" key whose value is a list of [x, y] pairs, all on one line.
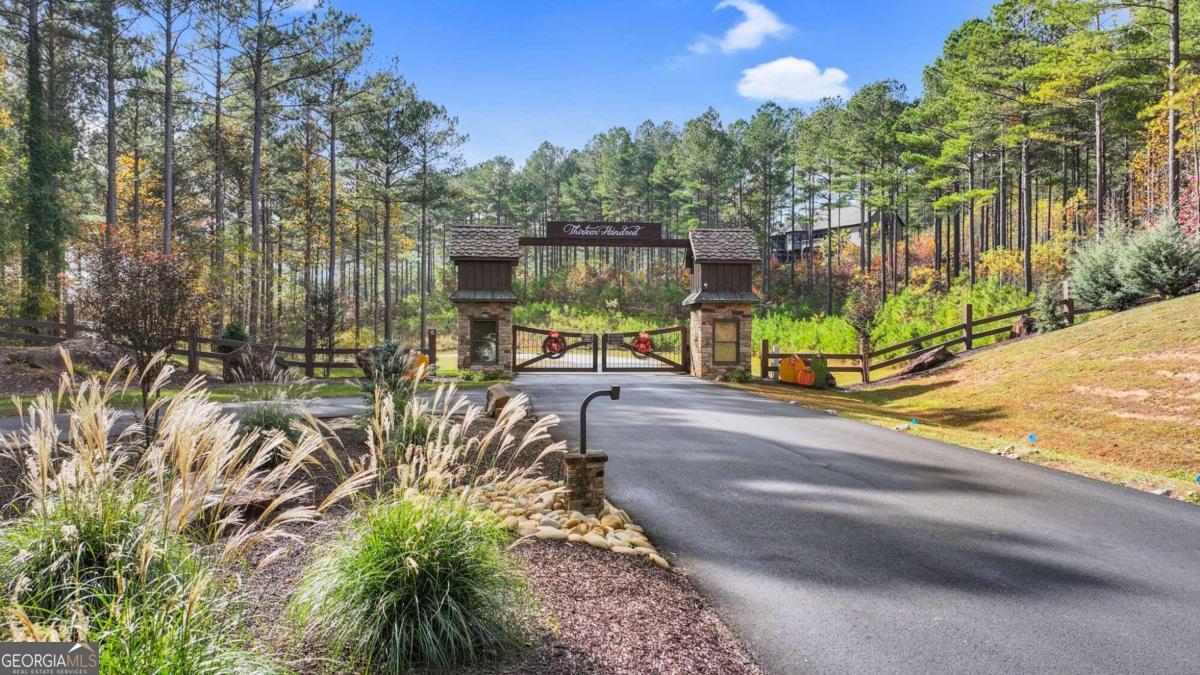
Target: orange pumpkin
{"points": [[805, 377]]}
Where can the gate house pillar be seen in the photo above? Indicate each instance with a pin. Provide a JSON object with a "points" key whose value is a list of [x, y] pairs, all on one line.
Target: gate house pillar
{"points": [[721, 300], [484, 258]]}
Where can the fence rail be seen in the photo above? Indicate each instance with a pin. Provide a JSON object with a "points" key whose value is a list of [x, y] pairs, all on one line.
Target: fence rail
{"points": [[965, 334], [311, 357]]}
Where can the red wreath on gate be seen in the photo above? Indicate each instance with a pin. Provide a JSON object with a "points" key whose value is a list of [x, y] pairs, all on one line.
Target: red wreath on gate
{"points": [[642, 345], [554, 346]]}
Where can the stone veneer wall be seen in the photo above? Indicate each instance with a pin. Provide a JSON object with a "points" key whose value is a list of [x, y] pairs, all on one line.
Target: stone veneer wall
{"points": [[701, 337], [502, 313]]}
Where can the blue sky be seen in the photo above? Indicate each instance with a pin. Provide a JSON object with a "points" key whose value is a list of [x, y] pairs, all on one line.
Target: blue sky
{"points": [[517, 73]]}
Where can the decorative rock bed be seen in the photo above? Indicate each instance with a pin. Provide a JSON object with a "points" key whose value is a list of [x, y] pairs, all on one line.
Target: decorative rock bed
{"points": [[536, 507]]}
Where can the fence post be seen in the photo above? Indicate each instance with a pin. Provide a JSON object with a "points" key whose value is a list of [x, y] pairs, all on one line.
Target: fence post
{"points": [[70, 320], [431, 340], [309, 355], [193, 349], [968, 329], [864, 358], [1068, 304], [763, 361], [685, 349]]}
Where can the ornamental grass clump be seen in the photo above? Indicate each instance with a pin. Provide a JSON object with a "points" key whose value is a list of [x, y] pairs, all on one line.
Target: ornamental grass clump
{"points": [[446, 457], [106, 544], [413, 581]]}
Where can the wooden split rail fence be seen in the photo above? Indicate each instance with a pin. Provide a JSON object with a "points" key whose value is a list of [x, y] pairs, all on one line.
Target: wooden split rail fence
{"points": [[965, 334], [195, 348]]}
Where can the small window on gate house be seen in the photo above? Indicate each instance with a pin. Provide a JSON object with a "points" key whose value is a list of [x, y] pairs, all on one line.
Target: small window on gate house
{"points": [[725, 341], [485, 346]]}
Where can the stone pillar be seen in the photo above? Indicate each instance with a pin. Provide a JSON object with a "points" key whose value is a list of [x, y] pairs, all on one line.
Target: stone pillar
{"points": [[585, 481], [704, 316], [501, 313]]}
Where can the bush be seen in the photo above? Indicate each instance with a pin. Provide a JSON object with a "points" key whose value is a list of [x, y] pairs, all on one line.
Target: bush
{"points": [[737, 376], [1095, 278], [1047, 309], [415, 581], [1162, 260], [234, 332]]}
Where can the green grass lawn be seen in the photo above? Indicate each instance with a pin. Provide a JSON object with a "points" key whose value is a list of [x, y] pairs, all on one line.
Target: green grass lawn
{"points": [[1116, 398]]}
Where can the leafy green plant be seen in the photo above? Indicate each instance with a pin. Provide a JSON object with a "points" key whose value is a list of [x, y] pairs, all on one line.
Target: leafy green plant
{"points": [[415, 581], [1162, 260], [1095, 278], [1047, 309]]}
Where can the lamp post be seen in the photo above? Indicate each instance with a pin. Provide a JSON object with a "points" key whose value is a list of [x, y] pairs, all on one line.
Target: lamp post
{"points": [[613, 392]]}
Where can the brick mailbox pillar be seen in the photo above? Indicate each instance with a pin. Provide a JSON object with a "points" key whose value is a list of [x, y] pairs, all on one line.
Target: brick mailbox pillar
{"points": [[585, 481], [485, 258], [721, 300]]}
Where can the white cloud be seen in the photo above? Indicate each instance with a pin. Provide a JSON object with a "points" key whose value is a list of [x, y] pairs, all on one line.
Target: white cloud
{"points": [[793, 80], [304, 5], [758, 23]]}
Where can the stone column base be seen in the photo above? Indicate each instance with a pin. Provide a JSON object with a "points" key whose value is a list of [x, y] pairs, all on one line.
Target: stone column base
{"points": [[585, 481], [501, 313], [703, 316]]}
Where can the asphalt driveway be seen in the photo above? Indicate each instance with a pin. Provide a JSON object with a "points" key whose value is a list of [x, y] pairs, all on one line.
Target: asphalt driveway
{"points": [[834, 546]]}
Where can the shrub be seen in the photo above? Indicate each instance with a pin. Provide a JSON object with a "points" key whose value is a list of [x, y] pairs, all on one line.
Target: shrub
{"points": [[862, 309], [144, 302], [738, 376], [1094, 272], [1162, 260], [415, 581], [234, 332], [1047, 309]]}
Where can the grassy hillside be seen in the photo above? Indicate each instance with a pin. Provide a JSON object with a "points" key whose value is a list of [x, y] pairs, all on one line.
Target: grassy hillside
{"points": [[1117, 398]]}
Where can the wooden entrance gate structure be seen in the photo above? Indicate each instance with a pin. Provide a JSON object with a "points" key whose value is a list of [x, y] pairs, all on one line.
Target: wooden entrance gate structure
{"points": [[715, 341]]}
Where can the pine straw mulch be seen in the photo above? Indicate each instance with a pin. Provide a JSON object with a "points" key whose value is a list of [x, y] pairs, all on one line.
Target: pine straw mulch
{"points": [[600, 612]]}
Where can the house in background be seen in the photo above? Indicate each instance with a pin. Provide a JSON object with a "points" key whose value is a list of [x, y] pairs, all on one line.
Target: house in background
{"points": [[788, 245]]}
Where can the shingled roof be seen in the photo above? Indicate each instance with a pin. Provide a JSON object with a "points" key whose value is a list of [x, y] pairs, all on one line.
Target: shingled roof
{"points": [[723, 245], [484, 242]]}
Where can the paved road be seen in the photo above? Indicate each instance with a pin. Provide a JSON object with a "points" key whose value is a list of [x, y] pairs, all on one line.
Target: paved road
{"points": [[835, 546]]}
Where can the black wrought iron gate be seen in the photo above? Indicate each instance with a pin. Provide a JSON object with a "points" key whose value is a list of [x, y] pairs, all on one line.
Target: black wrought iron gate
{"points": [[662, 349], [541, 350]]}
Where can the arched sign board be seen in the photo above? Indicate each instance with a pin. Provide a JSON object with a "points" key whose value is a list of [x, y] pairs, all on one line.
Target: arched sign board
{"points": [[594, 233]]}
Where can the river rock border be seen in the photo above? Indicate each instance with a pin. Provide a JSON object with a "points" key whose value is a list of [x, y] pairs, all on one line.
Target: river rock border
{"points": [[538, 508]]}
